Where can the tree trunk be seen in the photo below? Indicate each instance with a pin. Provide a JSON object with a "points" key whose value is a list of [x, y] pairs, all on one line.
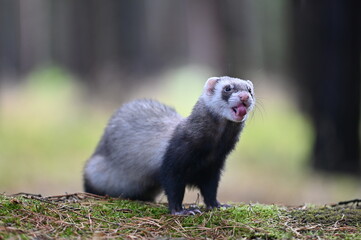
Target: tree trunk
{"points": [[327, 60]]}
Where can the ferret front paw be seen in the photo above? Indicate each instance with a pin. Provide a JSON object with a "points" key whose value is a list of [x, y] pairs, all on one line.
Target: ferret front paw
{"points": [[224, 206], [219, 206], [187, 212]]}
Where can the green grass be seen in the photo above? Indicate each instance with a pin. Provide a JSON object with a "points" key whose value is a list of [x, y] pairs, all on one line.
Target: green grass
{"points": [[87, 216]]}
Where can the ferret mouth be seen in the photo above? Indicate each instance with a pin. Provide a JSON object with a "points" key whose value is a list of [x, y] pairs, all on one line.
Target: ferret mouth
{"points": [[240, 111]]}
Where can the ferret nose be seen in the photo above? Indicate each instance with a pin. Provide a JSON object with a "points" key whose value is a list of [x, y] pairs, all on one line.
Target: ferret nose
{"points": [[244, 97]]}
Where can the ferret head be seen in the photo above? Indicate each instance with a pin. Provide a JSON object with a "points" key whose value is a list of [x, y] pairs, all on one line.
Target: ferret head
{"points": [[231, 98]]}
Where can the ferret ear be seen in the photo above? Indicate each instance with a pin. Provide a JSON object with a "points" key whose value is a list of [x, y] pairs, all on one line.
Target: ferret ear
{"points": [[210, 84], [250, 83]]}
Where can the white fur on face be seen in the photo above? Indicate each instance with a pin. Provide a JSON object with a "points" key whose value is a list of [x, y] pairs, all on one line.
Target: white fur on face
{"points": [[214, 99]]}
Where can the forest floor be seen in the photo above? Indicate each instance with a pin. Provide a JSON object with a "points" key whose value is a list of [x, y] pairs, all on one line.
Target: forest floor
{"points": [[80, 215]]}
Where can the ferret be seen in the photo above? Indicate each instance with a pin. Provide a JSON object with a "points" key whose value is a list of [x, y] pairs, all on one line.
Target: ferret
{"points": [[148, 147]]}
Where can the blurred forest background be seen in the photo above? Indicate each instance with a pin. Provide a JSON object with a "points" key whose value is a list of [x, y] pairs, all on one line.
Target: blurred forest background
{"points": [[65, 66]]}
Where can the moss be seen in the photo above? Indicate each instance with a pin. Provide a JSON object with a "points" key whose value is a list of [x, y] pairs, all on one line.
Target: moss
{"points": [[329, 216], [328, 222], [26, 218]]}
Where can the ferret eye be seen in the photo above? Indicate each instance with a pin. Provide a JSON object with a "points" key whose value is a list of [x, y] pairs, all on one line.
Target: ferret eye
{"points": [[249, 90], [227, 89]]}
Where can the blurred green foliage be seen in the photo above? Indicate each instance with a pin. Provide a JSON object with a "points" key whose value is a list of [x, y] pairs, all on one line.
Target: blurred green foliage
{"points": [[48, 129], [46, 133]]}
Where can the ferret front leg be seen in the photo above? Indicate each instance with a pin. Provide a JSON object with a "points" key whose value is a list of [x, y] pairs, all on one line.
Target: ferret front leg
{"points": [[175, 193], [208, 188], [209, 193]]}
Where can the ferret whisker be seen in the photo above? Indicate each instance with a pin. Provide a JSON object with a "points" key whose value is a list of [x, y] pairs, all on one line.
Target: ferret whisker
{"points": [[259, 110]]}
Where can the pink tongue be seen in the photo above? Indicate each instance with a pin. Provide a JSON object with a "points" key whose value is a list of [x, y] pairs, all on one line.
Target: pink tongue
{"points": [[241, 111]]}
